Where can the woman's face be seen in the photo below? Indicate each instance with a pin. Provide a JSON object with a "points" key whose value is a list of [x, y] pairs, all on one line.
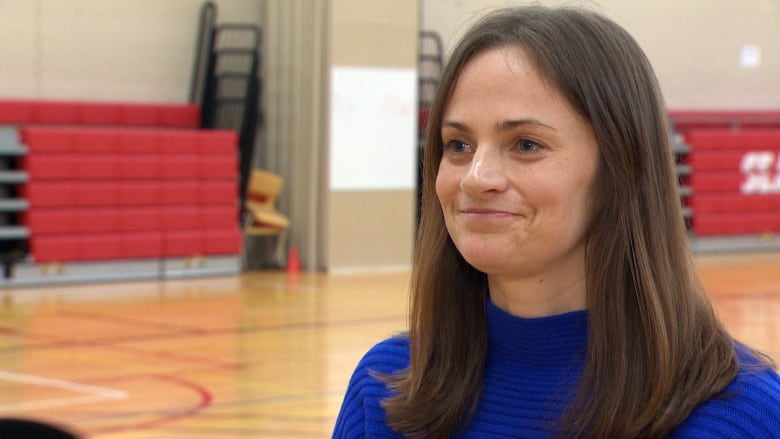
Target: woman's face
{"points": [[516, 178]]}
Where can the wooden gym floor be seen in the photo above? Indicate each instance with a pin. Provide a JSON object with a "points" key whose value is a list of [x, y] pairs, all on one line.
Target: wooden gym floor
{"points": [[264, 354]]}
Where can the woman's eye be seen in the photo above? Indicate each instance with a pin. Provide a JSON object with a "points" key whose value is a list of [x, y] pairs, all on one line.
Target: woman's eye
{"points": [[527, 146], [456, 146]]}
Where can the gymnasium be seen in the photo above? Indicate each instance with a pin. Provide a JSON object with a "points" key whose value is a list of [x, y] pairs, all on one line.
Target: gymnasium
{"points": [[209, 208]]}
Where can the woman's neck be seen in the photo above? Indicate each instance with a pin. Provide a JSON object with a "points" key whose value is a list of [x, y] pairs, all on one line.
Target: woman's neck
{"points": [[537, 297]]}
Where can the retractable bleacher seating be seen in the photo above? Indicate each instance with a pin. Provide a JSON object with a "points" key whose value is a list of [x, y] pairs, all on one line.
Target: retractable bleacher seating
{"points": [[732, 176], [116, 191]]}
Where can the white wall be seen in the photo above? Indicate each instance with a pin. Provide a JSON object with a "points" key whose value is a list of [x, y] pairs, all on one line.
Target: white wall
{"points": [[694, 45], [131, 50], [141, 50]]}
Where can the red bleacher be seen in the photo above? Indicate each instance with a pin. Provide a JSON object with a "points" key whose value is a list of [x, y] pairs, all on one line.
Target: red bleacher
{"points": [[139, 245], [741, 139], [124, 181], [735, 174], [684, 121], [58, 193], [24, 112]]}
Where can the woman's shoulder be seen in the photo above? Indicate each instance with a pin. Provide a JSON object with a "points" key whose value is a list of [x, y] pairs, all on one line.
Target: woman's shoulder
{"points": [[386, 357], [749, 407], [362, 414], [756, 379]]}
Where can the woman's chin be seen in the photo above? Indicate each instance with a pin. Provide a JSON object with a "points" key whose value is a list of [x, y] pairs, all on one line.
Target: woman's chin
{"points": [[488, 263]]}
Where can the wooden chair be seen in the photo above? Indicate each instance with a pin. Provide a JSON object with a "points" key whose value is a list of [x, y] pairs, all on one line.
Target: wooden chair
{"points": [[261, 217]]}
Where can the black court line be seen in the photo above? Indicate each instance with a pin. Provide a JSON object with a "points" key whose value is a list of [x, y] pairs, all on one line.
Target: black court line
{"points": [[135, 322], [283, 327], [223, 432], [738, 297]]}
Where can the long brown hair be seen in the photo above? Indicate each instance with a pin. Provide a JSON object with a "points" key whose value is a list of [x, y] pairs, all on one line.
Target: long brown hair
{"points": [[655, 346]]}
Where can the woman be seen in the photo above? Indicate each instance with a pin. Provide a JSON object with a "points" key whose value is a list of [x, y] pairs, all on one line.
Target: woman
{"points": [[553, 293]]}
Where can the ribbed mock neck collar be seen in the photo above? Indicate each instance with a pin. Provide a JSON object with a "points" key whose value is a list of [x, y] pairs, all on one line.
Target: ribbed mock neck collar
{"points": [[548, 342]]}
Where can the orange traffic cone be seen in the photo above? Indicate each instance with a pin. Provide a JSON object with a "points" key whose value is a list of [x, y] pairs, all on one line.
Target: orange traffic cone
{"points": [[293, 261]]}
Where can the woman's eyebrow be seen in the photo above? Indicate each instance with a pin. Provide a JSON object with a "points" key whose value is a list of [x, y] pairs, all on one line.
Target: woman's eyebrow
{"points": [[506, 125], [454, 124]]}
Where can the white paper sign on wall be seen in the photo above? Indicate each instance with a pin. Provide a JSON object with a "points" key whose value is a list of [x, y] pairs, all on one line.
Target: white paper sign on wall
{"points": [[373, 128]]}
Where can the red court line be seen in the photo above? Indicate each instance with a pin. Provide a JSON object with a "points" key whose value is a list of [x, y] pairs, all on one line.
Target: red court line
{"points": [[10, 332], [14, 332], [244, 415], [205, 399]]}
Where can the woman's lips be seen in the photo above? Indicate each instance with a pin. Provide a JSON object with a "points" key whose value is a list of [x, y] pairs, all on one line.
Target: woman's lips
{"points": [[487, 212]]}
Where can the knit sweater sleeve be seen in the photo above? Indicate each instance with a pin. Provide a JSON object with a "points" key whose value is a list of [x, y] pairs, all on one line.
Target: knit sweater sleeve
{"points": [[748, 408], [361, 413]]}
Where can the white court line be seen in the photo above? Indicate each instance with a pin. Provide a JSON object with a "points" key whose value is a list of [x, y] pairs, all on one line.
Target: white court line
{"points": [[89, 393]]}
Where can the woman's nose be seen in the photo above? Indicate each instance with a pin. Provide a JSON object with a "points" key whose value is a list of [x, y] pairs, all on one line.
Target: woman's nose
{"points": [[486, 173]]}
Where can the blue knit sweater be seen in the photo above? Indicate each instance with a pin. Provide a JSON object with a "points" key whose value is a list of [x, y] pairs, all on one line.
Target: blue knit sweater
{"points": [[531, 367]]}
